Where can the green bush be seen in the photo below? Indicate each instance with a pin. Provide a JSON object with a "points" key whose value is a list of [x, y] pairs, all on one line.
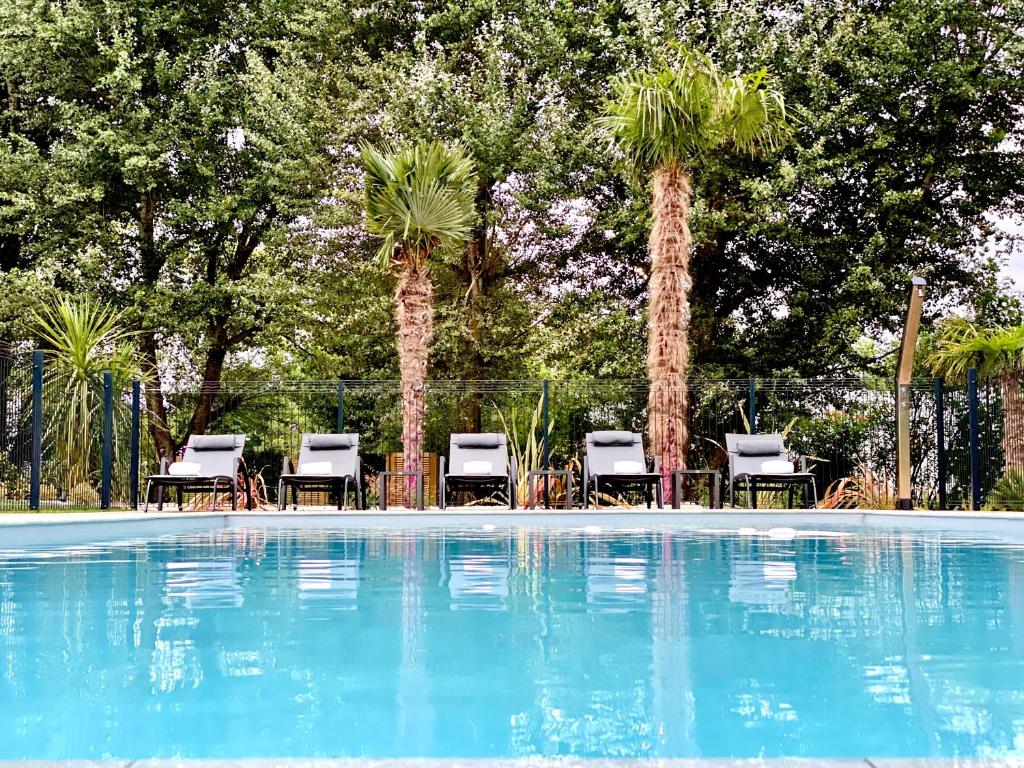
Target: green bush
{"points": [[1008, 492]]}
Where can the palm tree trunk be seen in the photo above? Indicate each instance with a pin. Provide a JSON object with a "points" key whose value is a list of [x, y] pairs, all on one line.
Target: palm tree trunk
{"points": [[415, 329], [668, 351], [1013, 422]]}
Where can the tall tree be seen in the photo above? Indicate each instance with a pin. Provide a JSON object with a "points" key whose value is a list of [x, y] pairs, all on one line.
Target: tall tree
{"points": [[165, 170], [664, 123], [515, 83], [419, 199]]}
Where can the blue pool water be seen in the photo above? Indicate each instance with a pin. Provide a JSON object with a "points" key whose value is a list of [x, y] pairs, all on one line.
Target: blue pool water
{"points": [[514, 642]]}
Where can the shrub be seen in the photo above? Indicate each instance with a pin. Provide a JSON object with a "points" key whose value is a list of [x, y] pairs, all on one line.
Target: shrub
{"points": [[83, 495], [1008, 492]]}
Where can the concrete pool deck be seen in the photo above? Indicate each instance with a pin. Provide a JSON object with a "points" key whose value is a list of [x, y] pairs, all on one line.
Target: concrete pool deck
{"points": [[66, 528], [529, 762]]}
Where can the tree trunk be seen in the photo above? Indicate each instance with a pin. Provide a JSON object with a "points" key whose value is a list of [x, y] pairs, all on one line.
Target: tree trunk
{"points": [[156, 413], [1013, 422], [246, 242], [473, 257], [668, 350], [415, 330], [210, 386], [151, 263], [479, 268]]}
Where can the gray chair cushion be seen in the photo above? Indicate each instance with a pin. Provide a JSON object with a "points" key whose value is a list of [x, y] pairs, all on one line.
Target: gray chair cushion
{"points": [[613, 437], [212, 442], [759, 448], [485, 440], [328, 442]]}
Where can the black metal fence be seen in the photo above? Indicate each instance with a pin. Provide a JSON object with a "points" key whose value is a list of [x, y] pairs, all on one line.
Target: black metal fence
{"points": [[845, 427]]}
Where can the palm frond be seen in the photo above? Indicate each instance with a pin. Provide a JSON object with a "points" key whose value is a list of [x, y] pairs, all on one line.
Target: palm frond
{"points": [[754, 116], [687, 108], [963, 345], [84, 340], [419, 197]]}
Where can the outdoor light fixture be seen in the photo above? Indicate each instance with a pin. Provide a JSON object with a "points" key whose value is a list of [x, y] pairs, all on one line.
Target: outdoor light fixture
{"points": [[904, 371]]}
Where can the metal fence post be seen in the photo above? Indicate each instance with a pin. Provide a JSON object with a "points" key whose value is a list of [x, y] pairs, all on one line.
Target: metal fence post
{"points": [[136, 435], [544, 426], [940, 440], [341, 406], [545, 423], [752, 406], [5, 373], [108, 440], [975, 445], [37, 430]]}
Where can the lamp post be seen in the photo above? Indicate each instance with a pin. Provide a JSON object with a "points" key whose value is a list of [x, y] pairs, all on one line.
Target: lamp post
{"points": [[904, 371]]}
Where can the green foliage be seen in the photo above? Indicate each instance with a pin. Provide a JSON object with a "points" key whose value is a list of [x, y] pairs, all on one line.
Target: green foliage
{"points": [[527, 448], [84, 340], [865, 489], [1008, 492], [418, 198], [909, 145], [687, 109], [961, 345], [159, 156]]}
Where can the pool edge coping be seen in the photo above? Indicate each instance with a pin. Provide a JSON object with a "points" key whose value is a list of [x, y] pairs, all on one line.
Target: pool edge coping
{"points": [[72, 529], [531, 762], [863, 516]]}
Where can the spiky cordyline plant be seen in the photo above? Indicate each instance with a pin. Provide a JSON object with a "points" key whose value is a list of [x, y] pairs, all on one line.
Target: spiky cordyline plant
{"points": [[663, 124], [84, 340], [419, 199], [997, 353]]}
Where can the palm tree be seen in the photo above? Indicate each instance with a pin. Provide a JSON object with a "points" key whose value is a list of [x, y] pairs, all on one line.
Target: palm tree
{"points": [[84, 340], [419, 199], [664, 124], [998, 354]]}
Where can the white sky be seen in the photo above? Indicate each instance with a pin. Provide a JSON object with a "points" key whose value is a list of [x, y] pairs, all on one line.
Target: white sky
{"points": [[1014, 266]]}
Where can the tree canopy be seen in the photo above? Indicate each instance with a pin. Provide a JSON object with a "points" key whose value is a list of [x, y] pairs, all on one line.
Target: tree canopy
{"points": [[196, 165]]}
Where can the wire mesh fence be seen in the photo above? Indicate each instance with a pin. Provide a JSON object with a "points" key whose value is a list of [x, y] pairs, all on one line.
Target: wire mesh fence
{"points": [[844, 427], [15, 426]]}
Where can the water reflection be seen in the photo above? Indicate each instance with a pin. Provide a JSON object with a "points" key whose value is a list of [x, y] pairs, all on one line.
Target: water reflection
{"points": [[478, 582], [329, 583], [761, 582], [512, 643], [616, 581], [209, 583]]}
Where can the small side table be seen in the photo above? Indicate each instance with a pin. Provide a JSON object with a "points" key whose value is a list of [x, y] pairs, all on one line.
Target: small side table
{"points": [[714, 485], [382, 485], [531, 482]]}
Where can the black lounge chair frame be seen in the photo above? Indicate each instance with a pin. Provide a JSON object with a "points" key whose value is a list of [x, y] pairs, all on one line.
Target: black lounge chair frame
{"points": [[221, 462], [606, 448], [746, 455], [342, 450]]}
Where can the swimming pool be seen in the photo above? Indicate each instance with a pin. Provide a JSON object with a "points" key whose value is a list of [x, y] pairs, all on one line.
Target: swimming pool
{"points": [[514, 641]]}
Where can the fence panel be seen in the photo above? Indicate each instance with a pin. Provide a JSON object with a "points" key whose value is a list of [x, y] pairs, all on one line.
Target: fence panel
{"points": [[845, 426], [15, 426], [1001, 433]]}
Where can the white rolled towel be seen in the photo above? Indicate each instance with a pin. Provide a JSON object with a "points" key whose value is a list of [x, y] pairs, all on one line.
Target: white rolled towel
{"points": [[477, 467], [628, 468], [186, 468], [777, 467], [316, 468]]}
